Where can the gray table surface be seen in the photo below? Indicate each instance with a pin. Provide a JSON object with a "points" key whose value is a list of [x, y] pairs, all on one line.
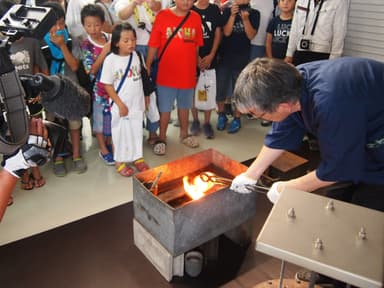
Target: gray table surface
{"points": [[343, 255]]}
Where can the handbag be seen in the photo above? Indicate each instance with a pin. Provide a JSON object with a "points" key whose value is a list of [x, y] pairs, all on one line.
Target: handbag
{"points": [[152, 111], [148, 85], [205, 92]]}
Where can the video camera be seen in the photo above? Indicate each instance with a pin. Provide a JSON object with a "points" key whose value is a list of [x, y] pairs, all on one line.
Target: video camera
{"points": [[22, 20], [59, 94], [245, 7]]}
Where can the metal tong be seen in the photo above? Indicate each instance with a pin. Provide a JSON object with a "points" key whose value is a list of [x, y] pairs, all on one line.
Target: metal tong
{"points": [[211, 177]]}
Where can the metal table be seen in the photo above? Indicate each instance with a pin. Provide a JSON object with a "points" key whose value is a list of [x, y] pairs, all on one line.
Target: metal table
{"points": [[334, 238]]}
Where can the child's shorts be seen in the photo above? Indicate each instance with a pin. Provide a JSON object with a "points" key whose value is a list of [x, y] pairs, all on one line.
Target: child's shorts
{"points": [[101, 120], [74, 124], [166, 97]]}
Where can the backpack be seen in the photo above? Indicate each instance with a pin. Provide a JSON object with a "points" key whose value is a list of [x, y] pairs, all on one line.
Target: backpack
{"points": [[82, 76]]}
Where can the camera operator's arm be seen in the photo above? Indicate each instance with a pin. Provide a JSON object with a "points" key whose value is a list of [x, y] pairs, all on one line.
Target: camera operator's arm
{"points": [[8, 183], [35, 152]]}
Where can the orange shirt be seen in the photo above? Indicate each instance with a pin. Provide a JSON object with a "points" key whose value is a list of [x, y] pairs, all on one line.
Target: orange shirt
{"points": [[177, 68]]}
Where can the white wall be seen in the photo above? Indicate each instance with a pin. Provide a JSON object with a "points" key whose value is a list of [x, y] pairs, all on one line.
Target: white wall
{"points": [[365, 34]]}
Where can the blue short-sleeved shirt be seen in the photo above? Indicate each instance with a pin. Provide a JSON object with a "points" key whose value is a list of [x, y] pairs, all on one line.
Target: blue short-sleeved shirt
{"points": [[342, 104]]}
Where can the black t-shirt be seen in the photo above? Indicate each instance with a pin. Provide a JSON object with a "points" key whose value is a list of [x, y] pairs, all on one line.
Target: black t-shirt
{"points": [[235, 48], [211, 19], [280, 35]]}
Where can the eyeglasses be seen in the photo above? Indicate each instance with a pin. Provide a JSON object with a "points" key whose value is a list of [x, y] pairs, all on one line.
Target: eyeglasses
{"points": [[257, 116]]}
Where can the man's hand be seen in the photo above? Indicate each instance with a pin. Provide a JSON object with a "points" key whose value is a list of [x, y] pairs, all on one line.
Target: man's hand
{"points": [[242, 183], [275, 190], [35, 152]]}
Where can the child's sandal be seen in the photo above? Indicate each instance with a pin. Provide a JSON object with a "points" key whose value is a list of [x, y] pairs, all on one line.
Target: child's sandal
{"points": [[125, 170], [140, 165], [39, 182], [27, 185], [160, 148]]}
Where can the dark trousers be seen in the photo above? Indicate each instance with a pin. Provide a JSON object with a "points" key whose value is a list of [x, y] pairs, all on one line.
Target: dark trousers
{"points": [[366, 195], [300, 57]]}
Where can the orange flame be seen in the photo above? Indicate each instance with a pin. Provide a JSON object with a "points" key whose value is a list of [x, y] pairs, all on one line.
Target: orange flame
{"points": [[197, 189]]}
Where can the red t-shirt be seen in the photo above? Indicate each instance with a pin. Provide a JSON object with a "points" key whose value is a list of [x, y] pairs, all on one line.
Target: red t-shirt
{"points": [[177, 68]]}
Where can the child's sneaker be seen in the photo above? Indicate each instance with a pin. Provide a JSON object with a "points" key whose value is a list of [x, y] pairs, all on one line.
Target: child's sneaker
{"points": [[208, 131], [195, 128], [107, 158], [59, 168], [234, 126], [79, 165], [221, 122]]}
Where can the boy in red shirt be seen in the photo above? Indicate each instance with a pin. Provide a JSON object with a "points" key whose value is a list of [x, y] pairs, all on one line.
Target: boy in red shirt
{"points": [[176, 76]]}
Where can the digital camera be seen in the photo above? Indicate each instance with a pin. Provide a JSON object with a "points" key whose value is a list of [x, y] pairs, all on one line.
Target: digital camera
{"points": [[304, 44], [245, 7]]}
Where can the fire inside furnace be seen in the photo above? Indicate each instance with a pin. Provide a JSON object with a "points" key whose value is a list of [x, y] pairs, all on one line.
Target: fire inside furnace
{"points": [[198, 186]]}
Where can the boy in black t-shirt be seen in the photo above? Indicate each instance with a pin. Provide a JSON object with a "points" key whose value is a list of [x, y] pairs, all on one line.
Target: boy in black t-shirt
{"points": [[241, 24], [278, 30], [211, 25]]}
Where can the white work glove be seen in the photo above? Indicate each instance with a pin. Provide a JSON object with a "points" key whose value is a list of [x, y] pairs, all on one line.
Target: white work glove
{"points": [[275, 190], [242, 183], [32, 154]]}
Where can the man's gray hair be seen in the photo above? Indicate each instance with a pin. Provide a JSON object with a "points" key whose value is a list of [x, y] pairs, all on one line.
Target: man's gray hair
{"points": [[265, 83]]}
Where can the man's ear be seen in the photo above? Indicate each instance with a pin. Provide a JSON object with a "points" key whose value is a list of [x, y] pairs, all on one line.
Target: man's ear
{"points": [[284, 107]]}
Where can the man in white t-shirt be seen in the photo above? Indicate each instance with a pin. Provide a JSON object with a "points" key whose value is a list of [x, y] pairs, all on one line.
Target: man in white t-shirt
{"points": [[141, 15]]}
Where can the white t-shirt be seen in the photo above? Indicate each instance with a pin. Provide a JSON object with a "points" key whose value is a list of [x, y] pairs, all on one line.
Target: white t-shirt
{"points": [[127, 131], [142, 34], [330, 29], [131, 93]]}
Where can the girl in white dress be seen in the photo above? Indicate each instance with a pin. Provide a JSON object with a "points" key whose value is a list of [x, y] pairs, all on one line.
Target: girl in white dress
{"points": [[122, 80]]}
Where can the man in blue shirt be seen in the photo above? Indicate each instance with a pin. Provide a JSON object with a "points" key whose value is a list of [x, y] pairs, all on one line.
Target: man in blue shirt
{"points": [[339, 101]]}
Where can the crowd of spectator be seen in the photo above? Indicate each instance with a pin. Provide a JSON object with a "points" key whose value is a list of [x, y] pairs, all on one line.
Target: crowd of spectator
{"points": [[214, 42]]}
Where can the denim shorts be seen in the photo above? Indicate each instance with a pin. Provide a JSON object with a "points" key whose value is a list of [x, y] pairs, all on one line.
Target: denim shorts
{"points": [[257, 51], [166, 97], [225, 79]]}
